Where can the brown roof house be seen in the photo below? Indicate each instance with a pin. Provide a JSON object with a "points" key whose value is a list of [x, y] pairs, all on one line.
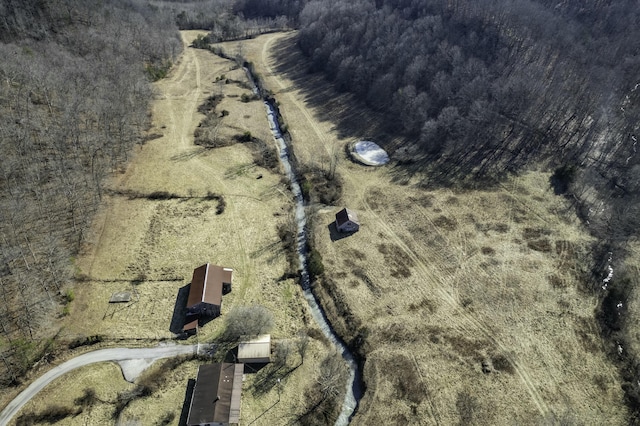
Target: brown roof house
{"points": [[347, 221], [217, 394], [208, 284]]}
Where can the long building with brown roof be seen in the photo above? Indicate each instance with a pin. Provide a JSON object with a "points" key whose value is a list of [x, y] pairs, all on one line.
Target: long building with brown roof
{"points": [[217, 395]]}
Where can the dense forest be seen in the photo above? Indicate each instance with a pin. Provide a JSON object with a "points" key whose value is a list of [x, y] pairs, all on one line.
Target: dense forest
{"points": [[74, 97], [483, 87]]}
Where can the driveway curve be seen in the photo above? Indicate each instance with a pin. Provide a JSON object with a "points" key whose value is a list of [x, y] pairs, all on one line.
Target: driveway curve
{"points": [[147, 355]]}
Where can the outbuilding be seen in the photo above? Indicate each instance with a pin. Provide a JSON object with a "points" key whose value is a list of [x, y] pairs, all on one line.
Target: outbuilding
{"points": [[255, 350], [347, 221], [216, 395]]}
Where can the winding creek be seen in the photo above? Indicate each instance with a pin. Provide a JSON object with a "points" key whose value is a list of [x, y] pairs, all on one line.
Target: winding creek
{"points": [[353, 391]]}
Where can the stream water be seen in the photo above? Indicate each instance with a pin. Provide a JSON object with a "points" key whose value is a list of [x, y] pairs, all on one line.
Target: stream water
{"points": [[353, 391]]}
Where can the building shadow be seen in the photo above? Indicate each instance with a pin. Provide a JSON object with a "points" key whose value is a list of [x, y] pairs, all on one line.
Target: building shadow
{"points": [[337, 235], [205, 319], [188, 394], [254, 367], [178, 320]]}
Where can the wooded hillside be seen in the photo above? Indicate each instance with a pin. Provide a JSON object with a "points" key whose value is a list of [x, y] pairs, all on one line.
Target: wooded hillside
{"points": [[483, 87], [73, 102]]}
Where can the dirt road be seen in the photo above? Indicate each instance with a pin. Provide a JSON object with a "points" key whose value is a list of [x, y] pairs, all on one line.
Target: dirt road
{"points": [[148, 355]]}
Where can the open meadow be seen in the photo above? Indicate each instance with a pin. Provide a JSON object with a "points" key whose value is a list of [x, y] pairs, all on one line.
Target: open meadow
{"points": [[174, 208], [469, 307], [466, 306]]}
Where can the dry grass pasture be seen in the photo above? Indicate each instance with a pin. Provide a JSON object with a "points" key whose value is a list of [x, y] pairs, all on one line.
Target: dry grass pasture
{"points": [[149, 245], [473, 303]]}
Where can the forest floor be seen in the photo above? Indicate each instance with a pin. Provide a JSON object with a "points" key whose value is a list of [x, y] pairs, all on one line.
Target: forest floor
{"points": [[475, 305], [149, 247]]}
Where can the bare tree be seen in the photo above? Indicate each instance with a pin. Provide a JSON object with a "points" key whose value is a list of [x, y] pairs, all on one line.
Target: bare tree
{"points": [[247, 321]]}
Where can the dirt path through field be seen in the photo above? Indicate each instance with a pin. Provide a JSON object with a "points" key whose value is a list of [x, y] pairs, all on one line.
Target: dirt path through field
{"points": [[291, 99], [472, 325]]}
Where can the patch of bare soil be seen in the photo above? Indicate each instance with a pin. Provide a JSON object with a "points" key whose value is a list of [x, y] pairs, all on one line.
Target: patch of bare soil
{"points": [[162, 218], [471, 305]]}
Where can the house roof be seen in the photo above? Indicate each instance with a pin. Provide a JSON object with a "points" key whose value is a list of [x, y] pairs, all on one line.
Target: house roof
{"points": [[206, 284], [255, 349], [216, 396], [345, 215]]}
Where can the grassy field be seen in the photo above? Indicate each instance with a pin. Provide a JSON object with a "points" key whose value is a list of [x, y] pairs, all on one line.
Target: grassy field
{"points": [[149, 245], [474, 304], [471, 305]]}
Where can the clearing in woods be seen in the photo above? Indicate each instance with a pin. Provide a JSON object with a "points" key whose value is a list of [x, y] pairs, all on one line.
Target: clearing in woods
{"points": [[474, 303], [149, 244]]}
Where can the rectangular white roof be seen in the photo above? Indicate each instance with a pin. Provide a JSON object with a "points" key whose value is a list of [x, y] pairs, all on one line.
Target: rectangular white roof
{"points": [[256, 349]]}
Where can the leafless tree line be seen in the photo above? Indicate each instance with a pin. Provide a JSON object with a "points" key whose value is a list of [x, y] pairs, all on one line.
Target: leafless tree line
{"points": [[74, 94]]}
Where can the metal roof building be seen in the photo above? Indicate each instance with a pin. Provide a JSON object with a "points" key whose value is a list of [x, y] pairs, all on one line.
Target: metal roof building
{"points": [[208, 284], [255, 350], [216, 396]]}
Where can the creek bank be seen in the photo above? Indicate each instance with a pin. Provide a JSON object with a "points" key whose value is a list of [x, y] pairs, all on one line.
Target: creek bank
{"points": [[354, 385]]}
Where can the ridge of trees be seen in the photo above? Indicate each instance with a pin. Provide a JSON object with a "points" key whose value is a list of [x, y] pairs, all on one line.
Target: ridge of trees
{"points": [[480, 87], [229, 19], [74, 100]]}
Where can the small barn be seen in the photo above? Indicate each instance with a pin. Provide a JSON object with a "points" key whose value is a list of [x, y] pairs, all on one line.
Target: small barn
{"points": [[208, 284], [347, 221], [216, 395], [255, 350]]}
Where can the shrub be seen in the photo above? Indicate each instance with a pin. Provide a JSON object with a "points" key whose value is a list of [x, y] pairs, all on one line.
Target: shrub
{"points": [[501, 363], [247, 321], [488, 251], [287, 234], [210, 104], [467, 406], [86, 341], [248, 98], [52, 414], [168, 418], [444, 222], [221, 205], [158, 71], [305, 187], [316, 267], [221, 201], [87, 399], [161, 195], [245, 137], [201, 42], [542, 244]]}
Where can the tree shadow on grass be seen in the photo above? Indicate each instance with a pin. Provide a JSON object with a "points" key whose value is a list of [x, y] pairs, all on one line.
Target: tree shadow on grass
{"points": [[469, 162], [272, 375], [329, 105]]}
